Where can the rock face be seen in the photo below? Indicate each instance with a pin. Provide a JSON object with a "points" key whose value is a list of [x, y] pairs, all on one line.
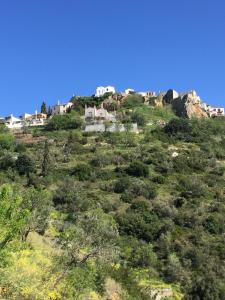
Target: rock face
{"points": [[170, 96], [187, 105]]}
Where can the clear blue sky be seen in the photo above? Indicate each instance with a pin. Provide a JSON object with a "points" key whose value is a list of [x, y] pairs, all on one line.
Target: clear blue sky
{"points": [[51, 49]]}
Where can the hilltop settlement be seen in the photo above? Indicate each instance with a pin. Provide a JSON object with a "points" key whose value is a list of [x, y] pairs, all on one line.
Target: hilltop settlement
{"points": [[114, 196], [100, 110]]}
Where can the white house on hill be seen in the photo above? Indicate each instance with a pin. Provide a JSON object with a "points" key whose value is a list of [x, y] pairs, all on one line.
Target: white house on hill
{"points": [[216, 112], [213, 111], [101, 90], [13, 122]]}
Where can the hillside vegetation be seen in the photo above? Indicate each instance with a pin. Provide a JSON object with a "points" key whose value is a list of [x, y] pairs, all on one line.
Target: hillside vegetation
{"points": [[114, 215]]}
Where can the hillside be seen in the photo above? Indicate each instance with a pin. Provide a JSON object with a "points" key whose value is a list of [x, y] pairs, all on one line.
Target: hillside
{"points": [[114, 215]]}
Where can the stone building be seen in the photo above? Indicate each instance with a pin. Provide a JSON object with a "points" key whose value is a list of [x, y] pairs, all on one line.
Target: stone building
{"points": [[99, 113], [61, 109]]}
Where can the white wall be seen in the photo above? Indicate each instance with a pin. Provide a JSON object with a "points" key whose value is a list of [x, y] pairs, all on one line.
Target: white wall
{"points": [[101, 90]]}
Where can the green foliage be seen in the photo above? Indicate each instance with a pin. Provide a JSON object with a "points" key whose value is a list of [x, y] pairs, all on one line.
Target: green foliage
{"points": [[13, 216], [139, 118], [6, 141], [6, 162], [46, 164], [68, 121], [82, 172], [133, 101], [138, 169], [43, 108], [25, 165], [178, 127], [132, 218]]}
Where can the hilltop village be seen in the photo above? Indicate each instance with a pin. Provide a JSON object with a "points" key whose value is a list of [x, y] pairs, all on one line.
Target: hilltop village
{"points": [[114, 196], [103, 106]]}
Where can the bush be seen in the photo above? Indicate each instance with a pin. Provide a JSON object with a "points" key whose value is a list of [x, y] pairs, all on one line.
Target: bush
{"points": [[68, 121], [178, 127], [25, 165], [133, 101], [6, 162], [138, 118], [138, 169], [122, 185], [82, 172], [101, 160], [214, 224], [6, 141], [159, 179]]}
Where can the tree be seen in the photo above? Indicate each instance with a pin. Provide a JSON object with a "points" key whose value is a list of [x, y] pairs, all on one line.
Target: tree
{"points": [[93, 236], [68, 121], [25, 165], [180, 128], [13, 216], [204, 286], [43, 108], [138, 169], [39, 204], [46, 163]]}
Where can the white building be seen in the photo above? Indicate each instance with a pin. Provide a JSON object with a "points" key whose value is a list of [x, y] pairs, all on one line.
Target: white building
{"points": [[101, 113], [37, 119], [61, 109], [129, 91], [216, 112], [101, 90], [213, 111], [13, 122], [147, 94]]}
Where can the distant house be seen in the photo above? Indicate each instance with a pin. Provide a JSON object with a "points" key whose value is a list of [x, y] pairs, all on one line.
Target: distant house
{"points": [[213, 111], [216, 112], [34, 116], [101, 90], [147, 94], [37, 119], [99, 113], [13, 122], [61, 109]]}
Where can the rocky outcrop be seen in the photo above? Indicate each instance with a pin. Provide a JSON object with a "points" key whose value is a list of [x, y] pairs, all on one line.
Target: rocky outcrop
{"points": [[170, 96], [188, 106], [156, 101]]}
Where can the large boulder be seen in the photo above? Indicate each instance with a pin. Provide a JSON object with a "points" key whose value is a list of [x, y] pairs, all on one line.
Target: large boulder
{"points": [[170, 96], [188, 106]]}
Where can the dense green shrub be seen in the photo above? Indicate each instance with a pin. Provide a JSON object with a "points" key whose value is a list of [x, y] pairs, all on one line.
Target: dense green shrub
{"points": [[68, 121], [138, 169], [82, 172], [6, 162], [133, 101], [139, 118], [178, 127], [25, 165], [122, 185], [6, 141]]}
